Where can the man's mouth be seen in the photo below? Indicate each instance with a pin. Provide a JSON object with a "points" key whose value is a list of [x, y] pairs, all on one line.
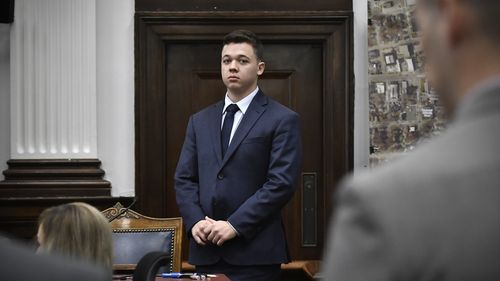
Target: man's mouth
{"points": [[233, 78]]}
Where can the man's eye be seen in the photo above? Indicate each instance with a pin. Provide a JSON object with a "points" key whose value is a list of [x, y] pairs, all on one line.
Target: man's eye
{"points": [[226, 61], [243, 61]]}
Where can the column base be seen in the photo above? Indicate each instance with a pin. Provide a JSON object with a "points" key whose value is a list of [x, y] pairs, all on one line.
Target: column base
{"points": [[52, 178]]}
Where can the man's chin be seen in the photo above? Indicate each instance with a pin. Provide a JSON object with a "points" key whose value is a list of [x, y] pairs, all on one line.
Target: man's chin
{"points": [[232, 85], [238, 88], [235, 87]]}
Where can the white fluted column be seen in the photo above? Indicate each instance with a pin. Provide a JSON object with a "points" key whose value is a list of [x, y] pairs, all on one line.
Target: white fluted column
{"points": [[53, 79]]}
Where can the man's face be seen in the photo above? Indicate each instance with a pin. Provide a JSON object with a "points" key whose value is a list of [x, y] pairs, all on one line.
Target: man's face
{"points": [[439, 56], [240, 68]]}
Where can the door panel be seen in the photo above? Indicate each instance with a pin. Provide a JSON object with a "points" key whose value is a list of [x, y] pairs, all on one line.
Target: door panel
{"points": [[293, 77], [309, 62]]}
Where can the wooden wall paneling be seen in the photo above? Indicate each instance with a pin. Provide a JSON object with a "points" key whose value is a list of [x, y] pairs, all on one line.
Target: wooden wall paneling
{"points": [[32, 185], [150, 126], [54, 178], [19, 216], [156, 31], [239, 5], [338, 111]]}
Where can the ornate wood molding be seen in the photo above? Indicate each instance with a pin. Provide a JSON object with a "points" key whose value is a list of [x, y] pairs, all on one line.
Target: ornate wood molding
{"points": [[111, 213], [255, 5], [18, 216], [157, 31], [54, 178]]}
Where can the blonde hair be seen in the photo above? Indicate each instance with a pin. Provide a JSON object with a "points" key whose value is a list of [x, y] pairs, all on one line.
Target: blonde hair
{"points": [[77, 230]]}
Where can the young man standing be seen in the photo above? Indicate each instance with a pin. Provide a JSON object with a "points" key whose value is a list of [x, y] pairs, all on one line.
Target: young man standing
{"points": [[237, 170]]}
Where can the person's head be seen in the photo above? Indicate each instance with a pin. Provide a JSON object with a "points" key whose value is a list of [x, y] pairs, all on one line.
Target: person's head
{"points": [[76, 230], [461, 39], [241, 62]]}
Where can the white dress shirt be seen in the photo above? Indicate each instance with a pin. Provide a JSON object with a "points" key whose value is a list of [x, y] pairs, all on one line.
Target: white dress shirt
{"points": [[242, 105]]}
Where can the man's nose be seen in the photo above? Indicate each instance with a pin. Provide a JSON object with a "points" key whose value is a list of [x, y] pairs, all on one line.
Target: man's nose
{"points": [[233, 66]]}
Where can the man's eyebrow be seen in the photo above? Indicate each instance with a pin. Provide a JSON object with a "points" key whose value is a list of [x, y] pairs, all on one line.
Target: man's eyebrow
{"points": [[238, 56]]}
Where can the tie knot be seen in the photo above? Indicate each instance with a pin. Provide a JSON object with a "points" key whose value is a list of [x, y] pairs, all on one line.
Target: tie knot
{"points": [[232, 108]]}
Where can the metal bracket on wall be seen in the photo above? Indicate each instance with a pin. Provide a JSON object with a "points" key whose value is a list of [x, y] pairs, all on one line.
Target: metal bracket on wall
{"points": [[309, 210]]}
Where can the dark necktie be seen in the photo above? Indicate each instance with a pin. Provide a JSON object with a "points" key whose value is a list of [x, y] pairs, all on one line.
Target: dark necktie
{"points": [[228, 126]]}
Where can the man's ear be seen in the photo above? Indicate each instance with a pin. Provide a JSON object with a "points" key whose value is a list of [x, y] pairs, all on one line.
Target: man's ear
{"points": [[260, 68], [457, 21]]}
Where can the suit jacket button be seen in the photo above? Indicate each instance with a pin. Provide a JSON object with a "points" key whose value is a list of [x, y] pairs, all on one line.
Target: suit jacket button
{"points": [[220, 176]]}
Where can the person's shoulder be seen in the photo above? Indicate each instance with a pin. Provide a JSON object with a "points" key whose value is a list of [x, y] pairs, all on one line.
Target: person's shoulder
{"points": [[403, 174], [426, 171], [386, 193], [21, 263], [205, 112], [280, 110]]}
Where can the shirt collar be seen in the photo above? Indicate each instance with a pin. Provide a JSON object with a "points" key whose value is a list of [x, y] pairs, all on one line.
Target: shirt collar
{"points": [[242, 104]]}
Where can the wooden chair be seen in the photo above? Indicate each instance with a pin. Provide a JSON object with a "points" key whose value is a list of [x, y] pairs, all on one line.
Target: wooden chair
{"points": [[135, 235]]}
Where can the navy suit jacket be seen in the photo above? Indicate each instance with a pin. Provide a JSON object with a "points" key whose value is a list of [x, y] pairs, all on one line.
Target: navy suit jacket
{"points": [[248, 187]]}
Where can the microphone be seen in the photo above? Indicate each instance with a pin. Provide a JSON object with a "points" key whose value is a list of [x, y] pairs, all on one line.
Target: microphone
{"points": [[122, 211]]}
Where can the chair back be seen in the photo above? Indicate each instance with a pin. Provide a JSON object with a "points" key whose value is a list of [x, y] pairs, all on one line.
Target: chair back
{"points": [[135, 235]]}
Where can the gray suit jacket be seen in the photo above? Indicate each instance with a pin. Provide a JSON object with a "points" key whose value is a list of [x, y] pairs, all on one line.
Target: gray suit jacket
{"points": [[431, 215]]}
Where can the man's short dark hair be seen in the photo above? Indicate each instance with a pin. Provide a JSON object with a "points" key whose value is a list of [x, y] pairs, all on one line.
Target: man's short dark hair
{"points": [[245, 36], [485, 11]]}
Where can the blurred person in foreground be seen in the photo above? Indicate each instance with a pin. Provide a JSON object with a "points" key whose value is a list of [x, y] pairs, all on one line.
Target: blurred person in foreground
{"points": [[76, 231], [434, 214], [20, 263]]}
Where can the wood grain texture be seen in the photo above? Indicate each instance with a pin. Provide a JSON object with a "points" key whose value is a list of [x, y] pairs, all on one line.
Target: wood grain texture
{"points": [[241, 5], [177, 74], [19, 216], [54, 178]]}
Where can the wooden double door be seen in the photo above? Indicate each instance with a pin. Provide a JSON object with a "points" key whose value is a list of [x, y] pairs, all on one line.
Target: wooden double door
{"points": [[307, 69]]}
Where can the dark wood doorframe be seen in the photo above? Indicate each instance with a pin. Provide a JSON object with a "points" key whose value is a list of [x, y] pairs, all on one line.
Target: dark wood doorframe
{"points": [[154, 30]]}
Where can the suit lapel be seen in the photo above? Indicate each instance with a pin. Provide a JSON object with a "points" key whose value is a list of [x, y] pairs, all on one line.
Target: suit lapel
{"points": [[254, 111], [215, 127]]}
